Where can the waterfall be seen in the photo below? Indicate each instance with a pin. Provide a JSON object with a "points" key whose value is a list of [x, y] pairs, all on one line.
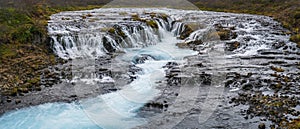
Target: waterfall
{"points": [[73, 38], [148, 38]]}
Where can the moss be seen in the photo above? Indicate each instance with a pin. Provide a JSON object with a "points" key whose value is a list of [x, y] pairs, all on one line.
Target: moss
{"points": [[296, 39], [14, 92], [152, 14], [294, 124], [6, 51], [163, 16], [277, 69], [111, 30], [34, 80], [152, 23], [121, 33], [135, 17]]}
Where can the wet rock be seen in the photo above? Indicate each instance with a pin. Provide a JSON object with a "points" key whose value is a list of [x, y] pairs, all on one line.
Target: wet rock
{"points": [[108, 45], [278, 45], [182, 45], [231, 46], [195, 42], [8, 100], [172, 74], [155, 105], [142, 58], [277, 69], [205, 78], [170, 65], [225, 33], [17, 101], [186, 32], [261, 126], [38, 88], [72, 96], [247, 86], [228, 82]]}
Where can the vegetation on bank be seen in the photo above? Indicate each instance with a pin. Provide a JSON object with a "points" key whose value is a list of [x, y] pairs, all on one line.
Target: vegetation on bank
{"points": [[24, 46]]}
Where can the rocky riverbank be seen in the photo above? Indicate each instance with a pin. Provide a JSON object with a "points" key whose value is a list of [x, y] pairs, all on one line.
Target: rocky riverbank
{"points": [[21, 72]]}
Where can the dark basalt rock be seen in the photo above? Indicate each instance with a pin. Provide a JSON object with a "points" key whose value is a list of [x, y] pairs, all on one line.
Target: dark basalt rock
{"points": [[142, 58], [247, 86], [108, 46], [170, 65]]}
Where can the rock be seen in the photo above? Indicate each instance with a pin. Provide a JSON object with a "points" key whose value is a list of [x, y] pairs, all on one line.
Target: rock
{"points": [[152, 24], [170, 65], [247, 86], [231, 46], [225, 33], [186, 32], [72, 96], [17, 101], [228, 82], [108, 46], [195, 42], [8, 100], [142, 58], [182, 45], [261, 126], [189, 44], [277, 69]]}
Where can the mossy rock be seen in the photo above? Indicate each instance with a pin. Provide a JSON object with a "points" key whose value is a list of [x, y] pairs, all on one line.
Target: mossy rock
{"points": [[14, 91], [152, 24], [153, 15], [277, 69], [163, 16], [135, 17], [186, 32], [111, 30]]}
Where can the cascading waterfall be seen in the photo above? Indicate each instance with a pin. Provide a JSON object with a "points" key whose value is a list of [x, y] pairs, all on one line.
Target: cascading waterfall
{"points": [[70, 43], [112, 110], [137, 33]]}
